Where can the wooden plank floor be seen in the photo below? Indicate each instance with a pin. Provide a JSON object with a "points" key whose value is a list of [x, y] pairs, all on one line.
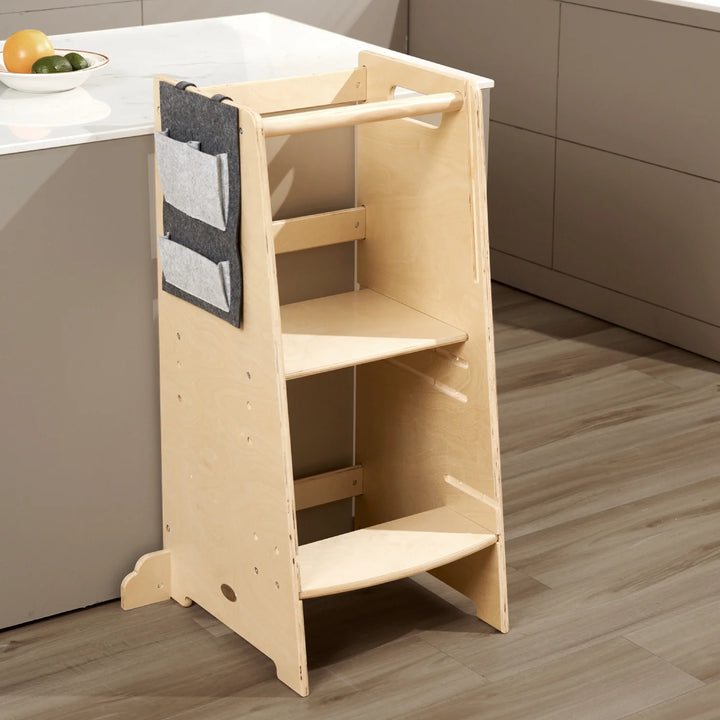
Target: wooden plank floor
{"points": [[611, 473]]}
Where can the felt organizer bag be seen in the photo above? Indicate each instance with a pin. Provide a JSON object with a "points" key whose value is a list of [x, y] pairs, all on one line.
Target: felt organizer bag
{"points": [[198, 160]]}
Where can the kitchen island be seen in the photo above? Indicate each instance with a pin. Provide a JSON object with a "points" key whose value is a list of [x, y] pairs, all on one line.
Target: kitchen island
{"points": [[604, 186], [79, 438]]}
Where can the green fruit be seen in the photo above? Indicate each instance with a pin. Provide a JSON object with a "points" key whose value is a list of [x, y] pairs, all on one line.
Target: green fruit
{"points": [[77, 61], [52, 64]]}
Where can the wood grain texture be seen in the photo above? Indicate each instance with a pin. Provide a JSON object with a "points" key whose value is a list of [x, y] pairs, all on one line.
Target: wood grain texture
{"points": [[609, 597], [571, 688], [284, 94], [426, 246], [148, 583], [230, 540], [343, 116], [227, 468], [351, 328], [318, 230], [389, 551], [701, 704], [328, 487], [690, 640], [639, 315]]}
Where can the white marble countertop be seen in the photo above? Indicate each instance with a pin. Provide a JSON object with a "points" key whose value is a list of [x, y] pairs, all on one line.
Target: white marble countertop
{"points": [[118, 102]]}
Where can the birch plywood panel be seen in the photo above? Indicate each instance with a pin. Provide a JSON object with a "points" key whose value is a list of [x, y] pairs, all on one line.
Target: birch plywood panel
{"points": [[227, 487], [428, 416], [227, 473]]}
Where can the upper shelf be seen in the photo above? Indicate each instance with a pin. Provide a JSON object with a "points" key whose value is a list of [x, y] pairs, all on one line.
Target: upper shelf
{"points": [[353, 328], [389, 551]]}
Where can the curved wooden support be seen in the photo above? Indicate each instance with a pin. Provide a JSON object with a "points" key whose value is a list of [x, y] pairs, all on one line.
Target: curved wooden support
{"points": [[148, 583]]}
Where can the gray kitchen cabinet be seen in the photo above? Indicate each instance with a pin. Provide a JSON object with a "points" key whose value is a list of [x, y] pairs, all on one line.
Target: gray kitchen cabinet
{"points": [[607, 194]]}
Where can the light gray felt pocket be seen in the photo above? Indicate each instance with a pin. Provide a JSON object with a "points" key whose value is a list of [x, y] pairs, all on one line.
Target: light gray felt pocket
{"points": [[195, 274], [193, 181]]}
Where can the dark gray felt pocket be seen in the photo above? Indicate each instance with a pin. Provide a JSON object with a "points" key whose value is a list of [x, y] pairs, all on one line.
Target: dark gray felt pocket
{"points": [[192, 181], [195, 274]]}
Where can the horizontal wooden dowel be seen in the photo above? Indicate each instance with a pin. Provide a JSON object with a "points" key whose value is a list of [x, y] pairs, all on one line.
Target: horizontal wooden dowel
{"points": [[311, 231], [364, 112], [328, 487]]}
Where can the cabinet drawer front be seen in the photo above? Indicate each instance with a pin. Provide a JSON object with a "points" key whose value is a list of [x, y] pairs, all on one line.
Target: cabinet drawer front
{"points": [[521, 176], [642, 88], [514, 42], [642, 230]]}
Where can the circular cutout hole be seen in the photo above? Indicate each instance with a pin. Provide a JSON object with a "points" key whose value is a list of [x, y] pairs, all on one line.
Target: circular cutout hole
{"points": [[228, 592]]}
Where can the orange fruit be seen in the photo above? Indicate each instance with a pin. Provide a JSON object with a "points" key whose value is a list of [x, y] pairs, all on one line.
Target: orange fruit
{"points": [[23, 48]]}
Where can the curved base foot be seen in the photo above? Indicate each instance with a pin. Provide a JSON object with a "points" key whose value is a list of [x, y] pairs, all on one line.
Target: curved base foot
{"points": [[148, 583]]}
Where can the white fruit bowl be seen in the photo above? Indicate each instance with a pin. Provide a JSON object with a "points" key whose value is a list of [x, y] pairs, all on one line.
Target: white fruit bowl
{"points": [[54, 82]]}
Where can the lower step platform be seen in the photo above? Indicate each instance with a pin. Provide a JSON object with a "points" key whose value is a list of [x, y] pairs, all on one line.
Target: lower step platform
{"points": [[389, 551]]}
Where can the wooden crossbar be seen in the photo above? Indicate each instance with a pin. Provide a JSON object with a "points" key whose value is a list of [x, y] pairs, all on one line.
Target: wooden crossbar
{"points": [[332, 117], [328, 487], [311, 231]]}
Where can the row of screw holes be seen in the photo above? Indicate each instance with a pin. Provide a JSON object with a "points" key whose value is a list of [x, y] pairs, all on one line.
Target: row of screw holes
{"points": [[248, 403], [229, 593]]}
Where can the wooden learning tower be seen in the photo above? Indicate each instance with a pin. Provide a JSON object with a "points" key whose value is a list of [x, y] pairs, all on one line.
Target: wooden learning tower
{"points": [[426, 478]]}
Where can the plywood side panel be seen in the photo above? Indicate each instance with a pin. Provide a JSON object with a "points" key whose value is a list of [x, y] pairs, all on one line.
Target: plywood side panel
{"points": [[227, 476], [283, 94], [425, 416]]}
